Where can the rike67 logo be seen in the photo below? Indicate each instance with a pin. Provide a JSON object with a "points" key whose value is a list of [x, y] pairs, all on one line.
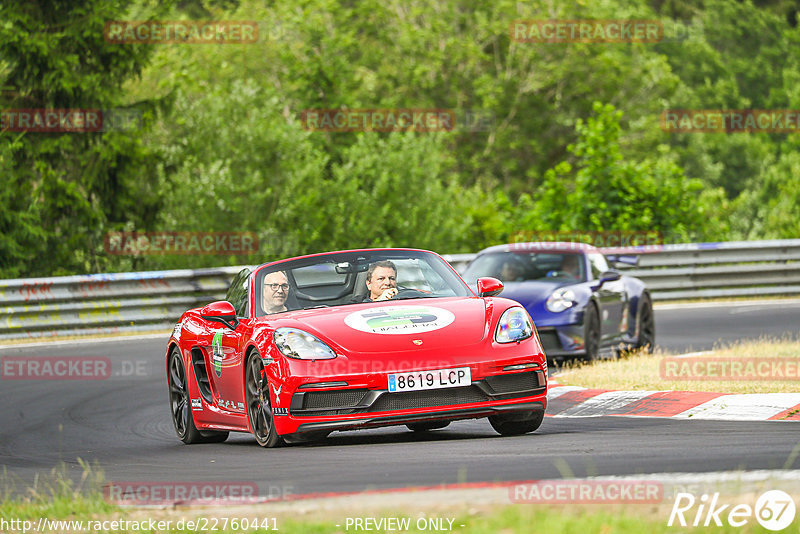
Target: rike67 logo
{"points": [[774, 510]]}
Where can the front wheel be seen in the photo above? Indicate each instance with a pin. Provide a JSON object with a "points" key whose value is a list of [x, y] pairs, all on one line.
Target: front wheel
{"points": [[516, 424], [259, 411], [182, 418], [647, 326], [591, 332]]}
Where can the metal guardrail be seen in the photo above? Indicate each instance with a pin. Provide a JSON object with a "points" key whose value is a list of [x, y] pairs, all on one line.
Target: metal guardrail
{"points": [[129, 302], [102, 303]]}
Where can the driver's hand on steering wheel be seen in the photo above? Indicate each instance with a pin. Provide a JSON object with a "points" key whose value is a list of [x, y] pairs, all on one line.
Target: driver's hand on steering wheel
{"points": [[387, 294]]}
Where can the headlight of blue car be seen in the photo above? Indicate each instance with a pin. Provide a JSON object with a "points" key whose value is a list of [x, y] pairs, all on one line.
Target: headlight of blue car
{"points": [[561, 299], [514, 325], [295, 343]]}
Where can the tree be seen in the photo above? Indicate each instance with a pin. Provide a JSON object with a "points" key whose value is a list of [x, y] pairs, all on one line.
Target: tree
{"points": [[64, 190], [603, 190]]}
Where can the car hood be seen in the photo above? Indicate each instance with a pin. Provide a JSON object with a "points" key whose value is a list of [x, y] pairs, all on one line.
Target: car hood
{"points": [[435, 323], [532, 291]]}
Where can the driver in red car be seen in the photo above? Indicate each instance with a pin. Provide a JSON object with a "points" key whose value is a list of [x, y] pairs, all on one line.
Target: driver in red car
{"points": [[381, 281]]}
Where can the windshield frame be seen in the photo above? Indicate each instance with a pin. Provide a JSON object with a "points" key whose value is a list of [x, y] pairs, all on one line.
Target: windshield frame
{"points": [[360, 259]]}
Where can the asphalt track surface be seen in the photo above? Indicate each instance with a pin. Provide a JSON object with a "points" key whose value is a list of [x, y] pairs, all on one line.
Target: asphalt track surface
{"points": [[123, 425]]}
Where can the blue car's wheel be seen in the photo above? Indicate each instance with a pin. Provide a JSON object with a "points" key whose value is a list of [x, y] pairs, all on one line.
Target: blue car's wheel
{"points": [[646, 325], [591, 332]]}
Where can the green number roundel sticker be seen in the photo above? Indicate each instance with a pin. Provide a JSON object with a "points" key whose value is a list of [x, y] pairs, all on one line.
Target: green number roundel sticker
{"points": [[216, 353], [399, 319]]}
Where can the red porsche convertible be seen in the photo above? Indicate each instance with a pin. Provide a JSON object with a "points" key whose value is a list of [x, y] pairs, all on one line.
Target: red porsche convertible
{"points": [[349, 340]]}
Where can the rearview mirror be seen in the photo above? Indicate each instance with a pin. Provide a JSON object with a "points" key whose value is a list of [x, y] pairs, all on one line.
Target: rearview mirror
{"points": [[627, 259], [220, 312], [346, 267], [608, 276], [489, 287]]}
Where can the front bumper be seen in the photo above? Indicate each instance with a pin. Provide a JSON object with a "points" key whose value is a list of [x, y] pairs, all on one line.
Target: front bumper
{"points": [[559, 341], [402, 419], [313, 411]]}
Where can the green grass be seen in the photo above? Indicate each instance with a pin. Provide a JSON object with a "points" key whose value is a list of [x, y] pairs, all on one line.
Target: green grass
{"points": [[519, 518], [639, 371], [54, 495], [57, 498]]}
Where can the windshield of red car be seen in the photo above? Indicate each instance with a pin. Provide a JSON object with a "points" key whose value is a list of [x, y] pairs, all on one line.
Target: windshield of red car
{"points": [[341, 278]]}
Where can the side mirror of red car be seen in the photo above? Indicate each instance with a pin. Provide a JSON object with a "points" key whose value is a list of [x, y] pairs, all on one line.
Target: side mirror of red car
{"points": [[489, 287], [220, 312]]}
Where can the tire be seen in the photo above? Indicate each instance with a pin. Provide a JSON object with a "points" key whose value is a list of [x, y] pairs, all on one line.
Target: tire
{"points": [[259, 411], [646, 325], [591, 332], [180, 405], [516, 424], [427, 426]]}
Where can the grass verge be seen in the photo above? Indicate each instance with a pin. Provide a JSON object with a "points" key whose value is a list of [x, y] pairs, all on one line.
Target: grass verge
{"points": [[639, 371], [93, 514], [81, 507]]}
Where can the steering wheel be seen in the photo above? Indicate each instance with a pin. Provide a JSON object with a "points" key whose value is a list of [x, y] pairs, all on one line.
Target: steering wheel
{"points": [[408, 293]]}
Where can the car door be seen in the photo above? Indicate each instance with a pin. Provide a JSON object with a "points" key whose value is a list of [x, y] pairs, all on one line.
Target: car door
{"points": [[612, 298], [228, 346], [223, 348]]}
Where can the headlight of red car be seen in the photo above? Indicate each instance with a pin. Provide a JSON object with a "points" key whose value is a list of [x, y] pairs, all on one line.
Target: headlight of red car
{"points": [[295, 343], [514, 325]]}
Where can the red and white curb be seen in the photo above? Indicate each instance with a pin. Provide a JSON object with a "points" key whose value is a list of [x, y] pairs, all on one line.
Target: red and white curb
{"points": [[573, 401]]}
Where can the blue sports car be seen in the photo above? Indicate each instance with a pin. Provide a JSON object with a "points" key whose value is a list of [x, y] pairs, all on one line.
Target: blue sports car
{"points": [[581, 307]]}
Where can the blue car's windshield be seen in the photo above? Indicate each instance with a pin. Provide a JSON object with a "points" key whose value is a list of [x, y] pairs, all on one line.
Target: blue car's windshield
{"points": [[521, 266]]}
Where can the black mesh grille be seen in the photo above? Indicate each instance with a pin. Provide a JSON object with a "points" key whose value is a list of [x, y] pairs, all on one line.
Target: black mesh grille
{"points": [[329, 399], [428, 399], [322, 413], [549, 340], [513, 382]]}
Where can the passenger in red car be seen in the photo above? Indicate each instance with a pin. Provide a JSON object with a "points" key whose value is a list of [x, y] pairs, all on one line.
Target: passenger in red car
{"points": [[275, 292]]}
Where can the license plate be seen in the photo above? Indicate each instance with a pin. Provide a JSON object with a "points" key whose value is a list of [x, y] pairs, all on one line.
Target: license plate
{"points": [[434, 379]]}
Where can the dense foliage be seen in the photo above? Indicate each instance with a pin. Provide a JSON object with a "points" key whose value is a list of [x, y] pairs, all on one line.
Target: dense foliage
{"points": [[574, 141]]}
